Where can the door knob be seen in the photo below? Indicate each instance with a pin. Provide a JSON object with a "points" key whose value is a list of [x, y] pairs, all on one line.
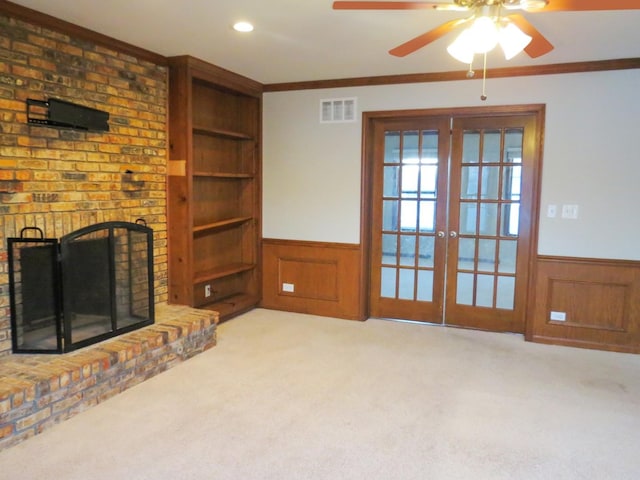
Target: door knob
{"points": [[441, 234], [453, 234]]}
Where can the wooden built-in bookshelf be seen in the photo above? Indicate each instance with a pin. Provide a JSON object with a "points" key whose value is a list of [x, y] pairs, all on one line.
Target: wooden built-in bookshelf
{"points": [[214, 199]]}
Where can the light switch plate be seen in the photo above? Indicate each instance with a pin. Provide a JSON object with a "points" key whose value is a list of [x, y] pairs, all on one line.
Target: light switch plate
{"points": [[570, 211]]}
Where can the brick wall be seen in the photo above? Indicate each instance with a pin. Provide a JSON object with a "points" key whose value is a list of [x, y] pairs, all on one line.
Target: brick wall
{"points": [[61, 180]]}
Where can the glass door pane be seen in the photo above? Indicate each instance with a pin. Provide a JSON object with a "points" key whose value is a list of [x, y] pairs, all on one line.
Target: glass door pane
{"points": [[410, 194], [407, 253], [489, 243], [488, 213]]}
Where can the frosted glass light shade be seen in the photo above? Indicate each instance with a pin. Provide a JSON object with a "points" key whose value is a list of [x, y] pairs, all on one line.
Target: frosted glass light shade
{"points": [[462, 47], [512, 40], [484, 34]]}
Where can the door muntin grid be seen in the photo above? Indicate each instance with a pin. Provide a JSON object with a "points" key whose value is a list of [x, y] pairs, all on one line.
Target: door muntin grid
{"points": [[410, 196], [488, 226]]}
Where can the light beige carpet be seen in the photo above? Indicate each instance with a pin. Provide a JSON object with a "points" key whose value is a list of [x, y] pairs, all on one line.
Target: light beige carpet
{"points": [[286, 396]]}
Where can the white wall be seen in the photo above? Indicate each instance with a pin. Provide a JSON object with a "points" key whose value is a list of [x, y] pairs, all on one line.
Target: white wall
{"points": [[591, 157]]}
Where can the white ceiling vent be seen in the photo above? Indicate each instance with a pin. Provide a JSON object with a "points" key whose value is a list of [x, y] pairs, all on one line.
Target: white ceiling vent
{"points": [[338, 110]]}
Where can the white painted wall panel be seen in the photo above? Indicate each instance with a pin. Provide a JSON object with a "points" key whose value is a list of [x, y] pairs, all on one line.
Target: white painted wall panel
{"points": [[591, 157]]}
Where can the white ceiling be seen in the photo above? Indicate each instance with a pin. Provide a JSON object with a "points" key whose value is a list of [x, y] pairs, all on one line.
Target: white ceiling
{"points": [[300, 40]]}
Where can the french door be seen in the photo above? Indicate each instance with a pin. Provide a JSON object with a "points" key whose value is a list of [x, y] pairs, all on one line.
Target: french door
{"points": [[453, 204]]}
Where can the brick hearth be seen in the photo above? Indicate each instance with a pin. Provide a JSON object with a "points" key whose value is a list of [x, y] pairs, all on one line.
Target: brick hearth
{"points": [[39, 391]]}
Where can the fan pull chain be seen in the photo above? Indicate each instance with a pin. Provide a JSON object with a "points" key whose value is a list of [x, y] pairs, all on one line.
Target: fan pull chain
{"points": [[483, 97], [471, 73]]}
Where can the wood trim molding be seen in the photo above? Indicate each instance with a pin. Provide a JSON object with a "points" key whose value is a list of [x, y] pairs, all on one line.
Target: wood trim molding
{"points": [[307, 243], [551, 69], [590, 261], [47, 21], [503, 110], [213, 73]]}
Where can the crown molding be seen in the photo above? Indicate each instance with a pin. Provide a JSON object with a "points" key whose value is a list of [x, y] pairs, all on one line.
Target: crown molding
{"points": [[552, 69]]}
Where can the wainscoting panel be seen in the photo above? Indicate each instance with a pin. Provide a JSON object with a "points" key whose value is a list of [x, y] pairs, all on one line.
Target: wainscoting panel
{"points": [[588, 303], [312, 277]]}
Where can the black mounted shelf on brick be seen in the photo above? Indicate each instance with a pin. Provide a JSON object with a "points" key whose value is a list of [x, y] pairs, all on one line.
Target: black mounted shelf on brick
{"points": [[62, 114]]}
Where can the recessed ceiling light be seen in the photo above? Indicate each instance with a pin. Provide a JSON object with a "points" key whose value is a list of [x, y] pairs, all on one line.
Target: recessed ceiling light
{"points": [[243, 27]]}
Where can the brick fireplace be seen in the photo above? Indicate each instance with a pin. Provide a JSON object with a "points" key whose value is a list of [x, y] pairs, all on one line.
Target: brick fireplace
{"points": [[63, 180]]}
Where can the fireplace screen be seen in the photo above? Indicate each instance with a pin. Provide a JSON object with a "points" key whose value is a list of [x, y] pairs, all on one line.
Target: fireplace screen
{"points": [[95, 283]]}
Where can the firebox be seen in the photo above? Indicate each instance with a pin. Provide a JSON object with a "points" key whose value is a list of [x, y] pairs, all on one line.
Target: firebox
{"points": [[95, 283]]}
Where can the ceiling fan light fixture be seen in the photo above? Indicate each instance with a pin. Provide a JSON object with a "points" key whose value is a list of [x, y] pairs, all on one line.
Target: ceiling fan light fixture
{"points": [[512, 40], [481, 37]]}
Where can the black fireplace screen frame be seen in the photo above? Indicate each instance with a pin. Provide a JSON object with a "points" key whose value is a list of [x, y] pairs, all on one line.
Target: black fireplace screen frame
{"points": [[96, 283]]}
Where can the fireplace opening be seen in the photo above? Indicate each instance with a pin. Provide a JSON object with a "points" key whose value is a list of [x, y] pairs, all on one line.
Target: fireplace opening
{"points": [[96, 283]]}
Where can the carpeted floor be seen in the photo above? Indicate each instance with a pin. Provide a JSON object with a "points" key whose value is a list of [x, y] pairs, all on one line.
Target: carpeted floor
{"points": [[287, 396]]}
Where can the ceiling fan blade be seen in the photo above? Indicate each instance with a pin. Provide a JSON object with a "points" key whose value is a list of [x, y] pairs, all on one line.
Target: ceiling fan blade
{"points": [[539, 44], [388, 5], [426, 38], [590, 5]]}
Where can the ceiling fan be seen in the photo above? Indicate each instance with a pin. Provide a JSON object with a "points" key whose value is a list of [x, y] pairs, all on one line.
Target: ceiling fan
{"points": [[499, 10]]}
